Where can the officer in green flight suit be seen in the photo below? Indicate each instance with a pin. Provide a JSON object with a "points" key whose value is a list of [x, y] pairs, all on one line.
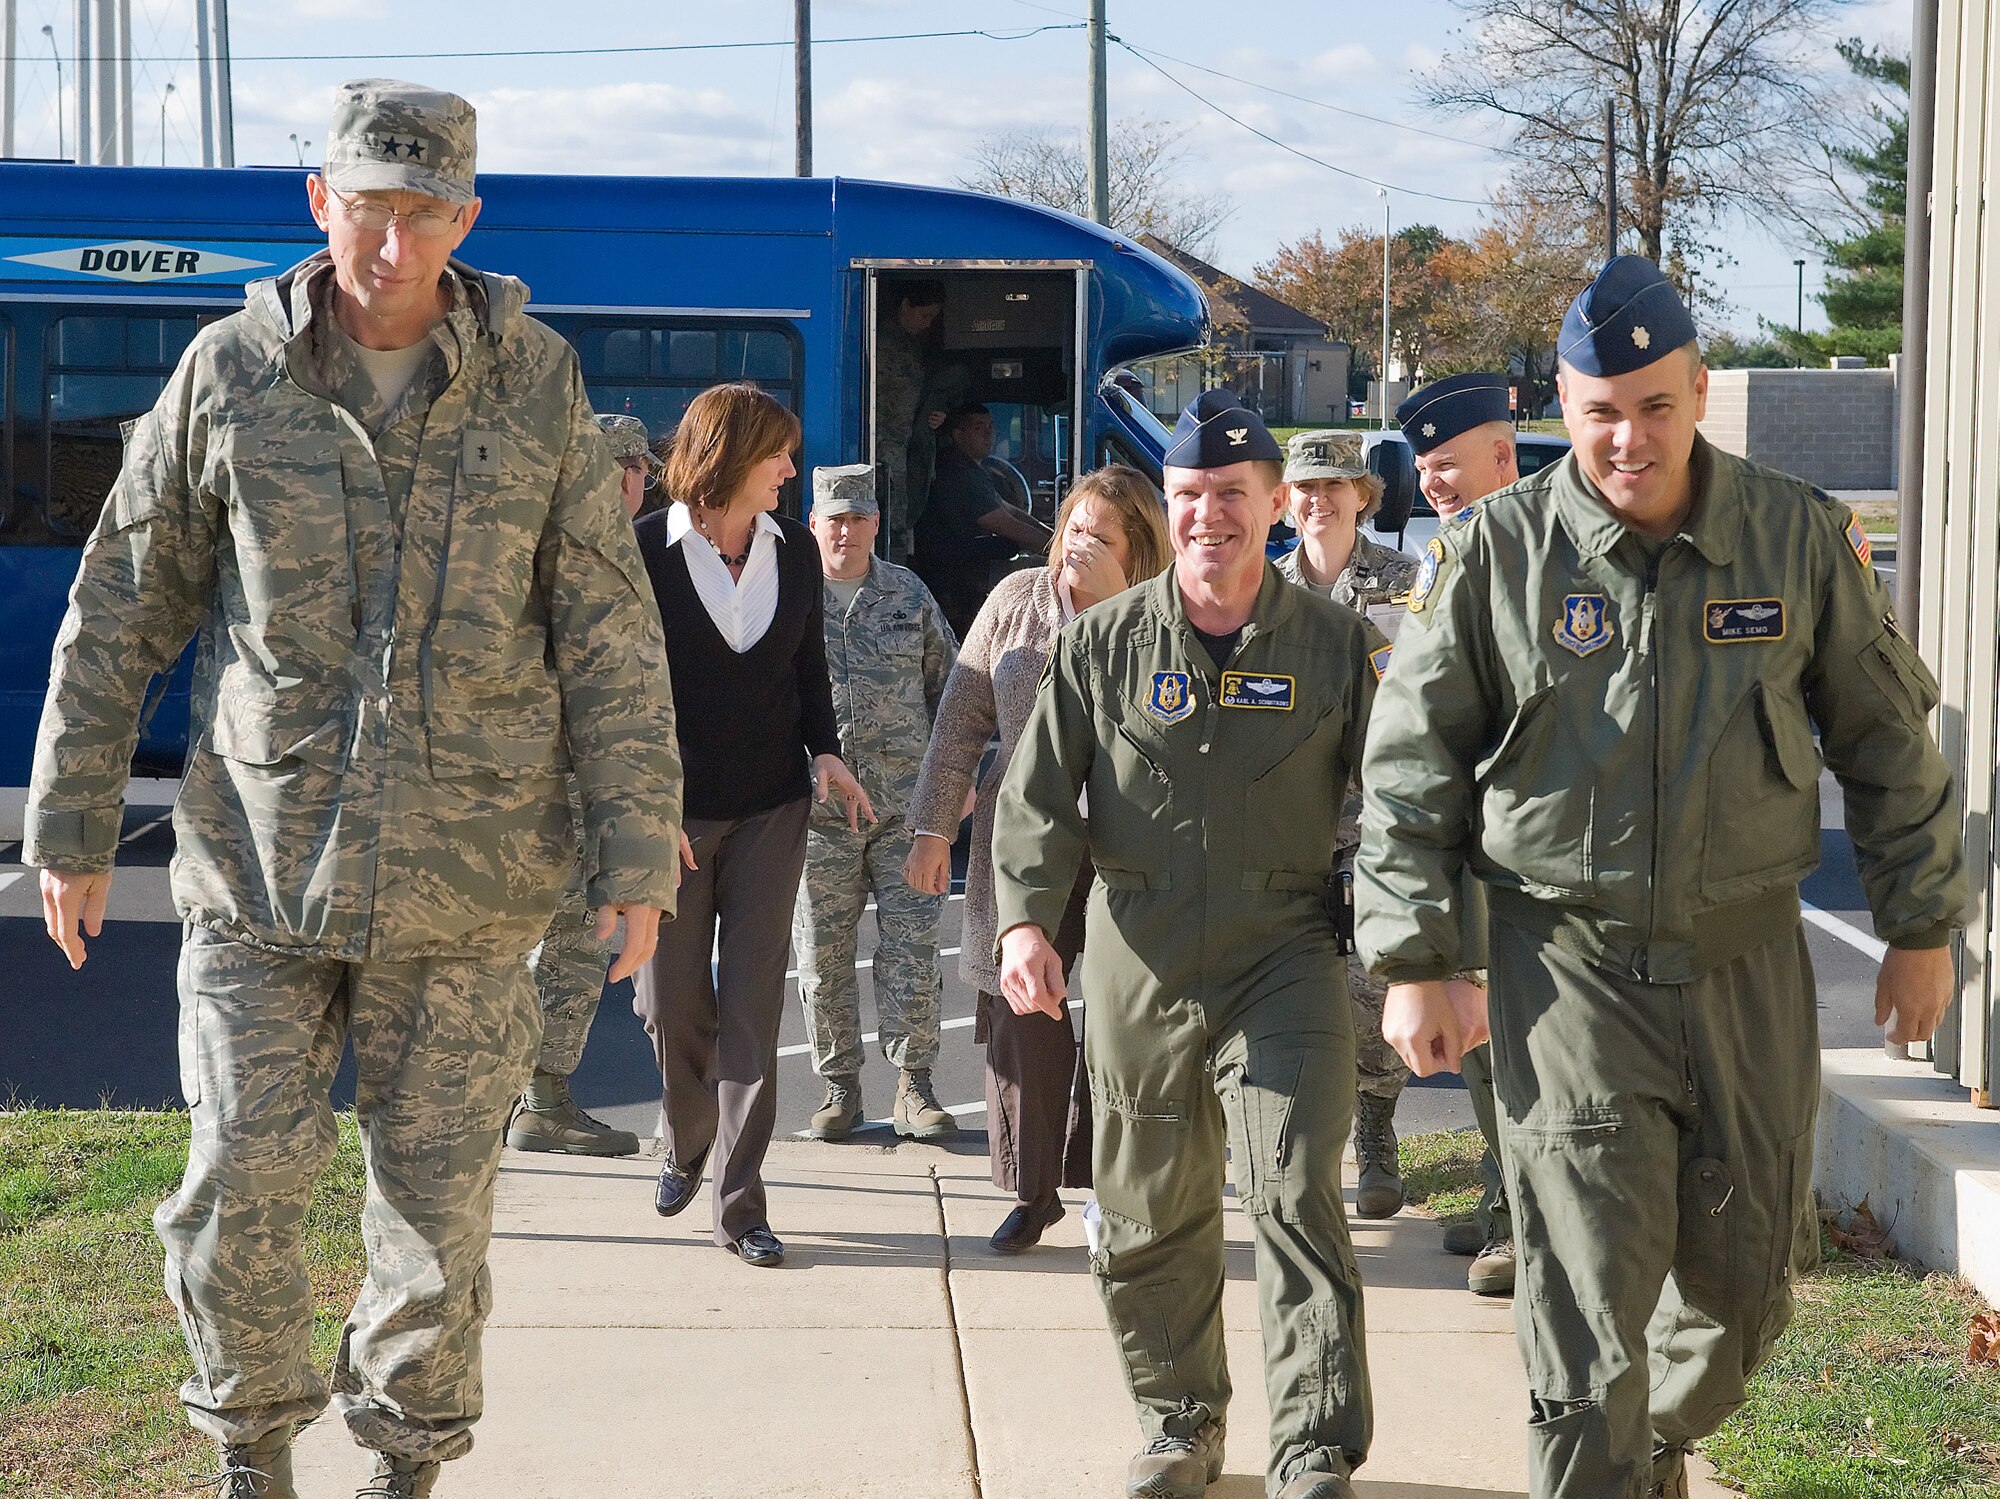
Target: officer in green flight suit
{"points": [[1213, 717], [1604, 703]]}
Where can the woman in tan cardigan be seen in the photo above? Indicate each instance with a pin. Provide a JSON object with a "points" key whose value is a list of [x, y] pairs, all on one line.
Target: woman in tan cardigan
{"points": [[1110, 535]]}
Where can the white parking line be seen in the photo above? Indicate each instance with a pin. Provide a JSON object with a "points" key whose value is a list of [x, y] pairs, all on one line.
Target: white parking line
{"points": [[1846, 931], [12, 879]]}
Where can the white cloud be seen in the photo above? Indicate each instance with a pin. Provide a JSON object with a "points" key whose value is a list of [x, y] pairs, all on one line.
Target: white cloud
{"points": [[653, 128]]}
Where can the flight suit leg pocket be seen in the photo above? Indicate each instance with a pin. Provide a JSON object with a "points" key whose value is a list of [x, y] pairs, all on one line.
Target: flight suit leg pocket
{"points": [[1792, 1247], [1257, 1096], [1582, 1304], [1139, 1167]]}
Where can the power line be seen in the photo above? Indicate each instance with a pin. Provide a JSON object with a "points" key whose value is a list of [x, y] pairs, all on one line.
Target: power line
{"points": [[1209, 103], [1338, 109], [823, 41]]}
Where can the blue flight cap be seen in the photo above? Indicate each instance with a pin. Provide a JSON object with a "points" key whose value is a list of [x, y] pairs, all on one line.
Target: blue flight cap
{"points": [[1217, 430], [1624, 320], [1440, 411]]}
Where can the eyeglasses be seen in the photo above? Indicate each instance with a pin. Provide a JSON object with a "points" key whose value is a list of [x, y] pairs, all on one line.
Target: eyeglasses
{"points": [[652, 479], [424, 223]]}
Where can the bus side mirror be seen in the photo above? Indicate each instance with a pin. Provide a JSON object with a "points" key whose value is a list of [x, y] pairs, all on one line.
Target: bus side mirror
{"points": [[1393, 464]]}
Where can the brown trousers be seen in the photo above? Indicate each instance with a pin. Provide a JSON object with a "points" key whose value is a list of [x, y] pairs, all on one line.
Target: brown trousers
{"points": [[712, 997], [1037, 1094]]}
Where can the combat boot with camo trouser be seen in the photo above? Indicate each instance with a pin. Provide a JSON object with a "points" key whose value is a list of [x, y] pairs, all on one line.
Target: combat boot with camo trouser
{"points": [[260, 1469], [840, 1116], [548, 1119], [1380, 1192], [918, 1114], [399, 1478]]}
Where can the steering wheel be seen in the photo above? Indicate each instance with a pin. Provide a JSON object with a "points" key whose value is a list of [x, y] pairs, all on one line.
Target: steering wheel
{"points": [[1013, 487]]}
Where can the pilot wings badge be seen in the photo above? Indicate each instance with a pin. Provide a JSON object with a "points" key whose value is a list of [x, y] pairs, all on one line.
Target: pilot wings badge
{"points": [[1585, 625], [1172, 697]]}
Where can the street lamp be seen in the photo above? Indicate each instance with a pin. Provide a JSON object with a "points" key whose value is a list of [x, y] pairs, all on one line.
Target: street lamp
{"points": [[1799, 318], [299, 149], [165, 94], [50, 33], [1382, 387]]}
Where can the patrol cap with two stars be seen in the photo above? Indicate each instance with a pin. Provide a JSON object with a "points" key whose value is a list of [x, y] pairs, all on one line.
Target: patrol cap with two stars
{"points": [[390, 136], [1324, 455], [628, 437], [845, 489], [1217, 430], [1447, 408], [1626, 319]]}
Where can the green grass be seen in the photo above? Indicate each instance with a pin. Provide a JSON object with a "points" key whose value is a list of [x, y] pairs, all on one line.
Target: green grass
{"points": [[1868, 1395], [91, 1354]]}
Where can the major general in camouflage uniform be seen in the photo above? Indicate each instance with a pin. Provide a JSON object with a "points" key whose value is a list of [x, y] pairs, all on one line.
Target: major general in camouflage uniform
{"points": [[1329, 492], [888, 652], [569, 963], [379, 496]]}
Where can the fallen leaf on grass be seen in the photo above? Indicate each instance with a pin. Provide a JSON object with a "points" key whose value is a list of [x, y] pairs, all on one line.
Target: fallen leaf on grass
{"points": [[1985, 1340], [1862, 1236]]}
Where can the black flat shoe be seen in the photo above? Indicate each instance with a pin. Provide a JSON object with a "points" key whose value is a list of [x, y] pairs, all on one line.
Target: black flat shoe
{"points": [[677, 1185], [1022, 1228], [759, 1247]]}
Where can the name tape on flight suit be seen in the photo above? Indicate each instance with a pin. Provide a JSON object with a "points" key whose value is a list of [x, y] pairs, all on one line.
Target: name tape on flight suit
{"points": [[1242, 690], [1725, 621]]}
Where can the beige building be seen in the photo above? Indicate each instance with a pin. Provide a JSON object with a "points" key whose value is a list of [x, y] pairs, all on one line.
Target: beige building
{"points": [[1958, 627]]}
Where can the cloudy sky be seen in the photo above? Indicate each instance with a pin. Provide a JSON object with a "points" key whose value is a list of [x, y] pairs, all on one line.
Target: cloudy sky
{"points": [[909, 110]]}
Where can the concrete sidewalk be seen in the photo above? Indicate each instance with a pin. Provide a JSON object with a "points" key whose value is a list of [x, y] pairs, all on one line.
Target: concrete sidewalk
{"points": [[894, 1354]]}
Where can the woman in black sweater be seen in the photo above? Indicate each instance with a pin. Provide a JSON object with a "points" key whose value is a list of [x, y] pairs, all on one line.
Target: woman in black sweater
{"points": [[739, 596]]}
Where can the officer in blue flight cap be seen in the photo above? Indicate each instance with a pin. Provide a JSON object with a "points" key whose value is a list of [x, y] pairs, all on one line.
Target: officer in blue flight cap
{"points": [[1605, 703], [1461, 432], [1214, 716]]}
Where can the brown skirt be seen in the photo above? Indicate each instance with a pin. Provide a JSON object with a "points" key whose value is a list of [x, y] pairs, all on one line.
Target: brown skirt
{"points": [[1037, 1093]]}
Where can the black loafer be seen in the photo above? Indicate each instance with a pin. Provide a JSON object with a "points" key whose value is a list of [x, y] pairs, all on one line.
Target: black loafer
{"points": [[1022, 1228], [677, 1185], [759, 1247]]}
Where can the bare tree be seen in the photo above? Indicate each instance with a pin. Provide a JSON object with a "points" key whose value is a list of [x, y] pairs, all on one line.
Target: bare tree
{"points": [[1719, 102], [1148, 157]]}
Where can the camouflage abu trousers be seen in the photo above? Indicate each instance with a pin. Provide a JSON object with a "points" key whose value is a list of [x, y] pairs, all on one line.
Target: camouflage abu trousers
{"points": [[892, 489], [1378, 1071], [569, 969], [443, 1047], [842, 870]]}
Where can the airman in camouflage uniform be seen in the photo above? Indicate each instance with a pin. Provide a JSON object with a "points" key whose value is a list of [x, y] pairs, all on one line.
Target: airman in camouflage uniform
{"points": [[569, 964], [888, 652], [1329, 492], [909, 309], [418, 605]]}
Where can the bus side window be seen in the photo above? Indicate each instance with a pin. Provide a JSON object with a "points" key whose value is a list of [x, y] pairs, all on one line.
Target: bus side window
{"points": [[104, 369], [653, 369]]}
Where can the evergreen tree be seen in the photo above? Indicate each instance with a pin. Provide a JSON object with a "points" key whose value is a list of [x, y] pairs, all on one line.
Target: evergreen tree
{"points": [[1864, 288]]}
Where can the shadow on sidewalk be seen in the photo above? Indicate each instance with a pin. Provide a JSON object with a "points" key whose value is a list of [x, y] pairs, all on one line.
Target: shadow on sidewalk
{"points": [[1366, 1490]]}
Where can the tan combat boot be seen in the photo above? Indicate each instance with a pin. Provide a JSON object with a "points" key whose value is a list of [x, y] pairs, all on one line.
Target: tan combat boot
{"points": [[399, 1478], [548, 1119], [257, 1470], [1492, 1273], [1380, 1193], [1176, 1467], [840, 1115], [1670, 1477], [918, 1115]]}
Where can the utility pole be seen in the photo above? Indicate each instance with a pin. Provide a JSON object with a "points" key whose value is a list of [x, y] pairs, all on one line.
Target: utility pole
{"points": [[1911, 372], [1099, 130], [7, 20], [1610, 179], [1382, 385], [62, 151], [1799, 320], [802, 86]]}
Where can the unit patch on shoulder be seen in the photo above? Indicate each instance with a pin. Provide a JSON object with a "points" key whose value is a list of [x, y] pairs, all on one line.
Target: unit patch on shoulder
{"points": [[1172, 697], [1427, 576], [1858, 540], [1379, 659], [1585, 624], [1724, 621], [1242, 690]]}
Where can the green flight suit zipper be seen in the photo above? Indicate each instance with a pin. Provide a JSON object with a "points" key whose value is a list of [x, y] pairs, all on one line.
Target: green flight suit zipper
{"points": [[1647, 618]]}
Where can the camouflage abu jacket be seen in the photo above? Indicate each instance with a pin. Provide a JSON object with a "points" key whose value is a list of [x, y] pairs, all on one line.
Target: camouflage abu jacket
{"points": [[888, 656], [406, 640]]}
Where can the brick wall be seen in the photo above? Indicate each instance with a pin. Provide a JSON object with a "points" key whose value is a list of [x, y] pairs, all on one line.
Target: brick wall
{"points": [[1834, 427]]}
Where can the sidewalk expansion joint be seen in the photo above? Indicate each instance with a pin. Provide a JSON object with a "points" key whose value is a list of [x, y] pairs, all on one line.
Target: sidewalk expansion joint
{"points": [[957, 1343]]}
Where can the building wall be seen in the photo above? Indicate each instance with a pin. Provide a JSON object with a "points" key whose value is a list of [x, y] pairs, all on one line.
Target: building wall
{"points": [[1958, 623], [1834, 427]]}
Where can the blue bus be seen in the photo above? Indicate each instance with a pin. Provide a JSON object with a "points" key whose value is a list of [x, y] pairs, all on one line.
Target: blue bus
{"points": [[665, 286]]}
